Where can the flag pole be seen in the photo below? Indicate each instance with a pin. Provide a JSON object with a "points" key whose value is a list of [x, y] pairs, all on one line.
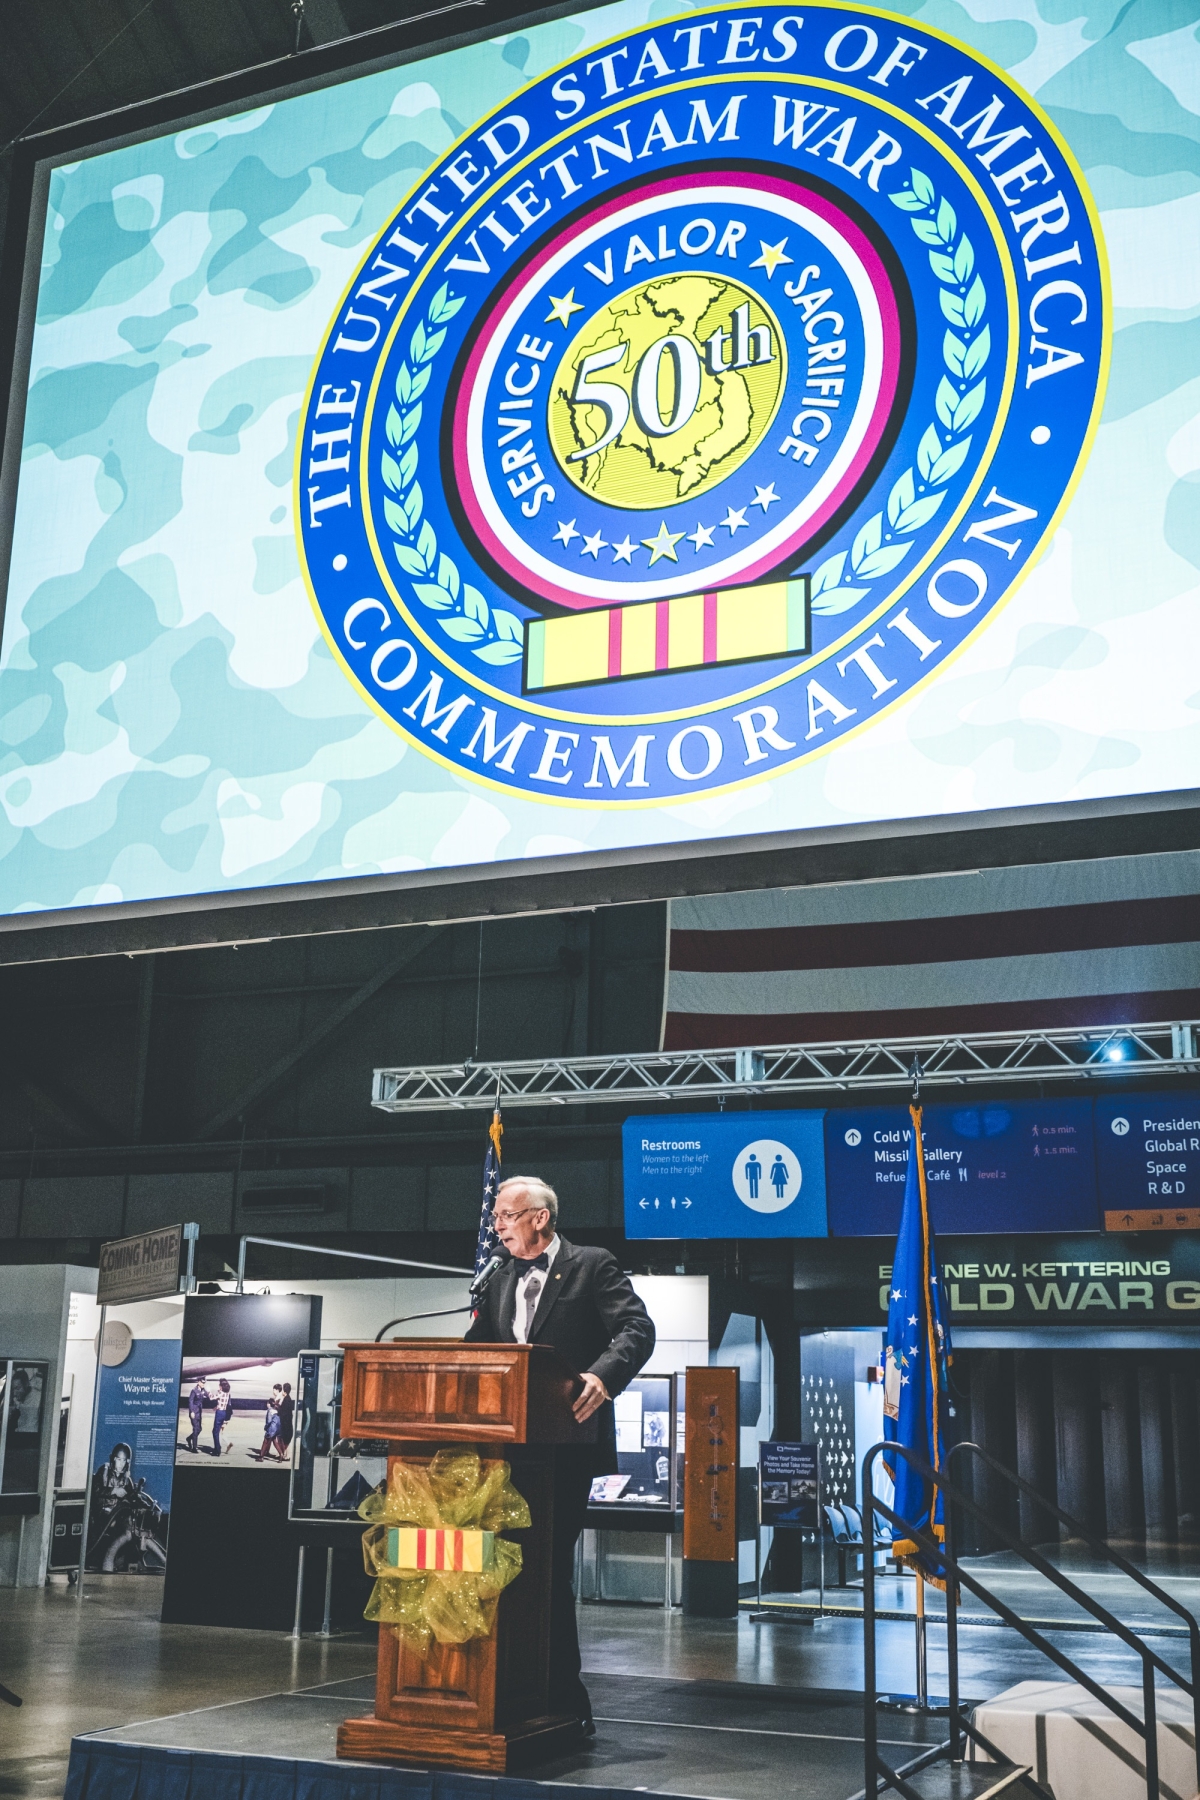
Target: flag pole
{"points": [[496, 1129], [922, 1640]]}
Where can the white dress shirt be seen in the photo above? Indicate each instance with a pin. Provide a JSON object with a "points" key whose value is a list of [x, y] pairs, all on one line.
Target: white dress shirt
{"points": [[541, 1276]]}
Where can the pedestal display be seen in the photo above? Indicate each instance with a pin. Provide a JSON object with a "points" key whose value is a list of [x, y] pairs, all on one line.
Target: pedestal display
{"points": [[710, 1539], [481, 1703]]}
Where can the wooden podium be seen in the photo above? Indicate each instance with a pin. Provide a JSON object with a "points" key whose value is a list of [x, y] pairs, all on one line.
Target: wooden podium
{"points": [[482, 1705]]}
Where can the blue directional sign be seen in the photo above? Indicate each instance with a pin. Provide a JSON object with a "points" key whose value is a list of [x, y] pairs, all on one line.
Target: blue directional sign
{"points": [[1148, 1160], [725, 1175], [1023, 1165]]}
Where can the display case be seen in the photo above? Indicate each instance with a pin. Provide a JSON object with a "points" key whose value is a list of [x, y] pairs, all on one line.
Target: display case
{"points": [[23, 1388], [649, 1417], [331, 1475]]}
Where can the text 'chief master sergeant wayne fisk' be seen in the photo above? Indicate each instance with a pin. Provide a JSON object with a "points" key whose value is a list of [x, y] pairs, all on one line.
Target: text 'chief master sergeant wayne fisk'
{"points": [[575, 1299]]}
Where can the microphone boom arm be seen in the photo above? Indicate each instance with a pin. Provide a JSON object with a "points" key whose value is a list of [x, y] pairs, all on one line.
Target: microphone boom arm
{"points": [[445, 1312]]}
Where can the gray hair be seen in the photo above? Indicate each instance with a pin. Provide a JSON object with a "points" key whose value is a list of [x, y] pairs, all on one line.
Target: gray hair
{"points": [[540, 1193]]}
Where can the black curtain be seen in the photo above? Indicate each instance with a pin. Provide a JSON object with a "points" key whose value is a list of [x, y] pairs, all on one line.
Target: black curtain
{"points": [[1110, 1435]]}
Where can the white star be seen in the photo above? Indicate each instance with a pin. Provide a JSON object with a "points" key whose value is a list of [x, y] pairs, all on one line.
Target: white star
{"points": [[623, 552], [702, 535], [896, 1294], [734, 520], [904, 1381], [592, 546], [765, 497], [913, 1320], [561, 309], [770, 259], [662, 544], [565, 533]]}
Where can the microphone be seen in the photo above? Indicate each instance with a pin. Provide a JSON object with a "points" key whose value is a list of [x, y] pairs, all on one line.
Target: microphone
{"points": [[491, 1268]]}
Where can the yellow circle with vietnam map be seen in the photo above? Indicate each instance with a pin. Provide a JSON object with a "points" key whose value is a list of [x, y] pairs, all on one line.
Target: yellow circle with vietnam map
{"points": [[666, 390]]}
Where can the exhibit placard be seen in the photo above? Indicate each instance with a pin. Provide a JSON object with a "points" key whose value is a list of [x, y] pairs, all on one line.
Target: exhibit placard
{"points": [[626, 435], [135, 1456], [730, 1174], [789, 1490], [710, 1465], [143, 1267]]}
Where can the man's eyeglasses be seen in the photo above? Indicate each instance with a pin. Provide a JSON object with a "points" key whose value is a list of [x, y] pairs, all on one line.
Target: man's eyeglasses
{"points": [[507, 1218]]}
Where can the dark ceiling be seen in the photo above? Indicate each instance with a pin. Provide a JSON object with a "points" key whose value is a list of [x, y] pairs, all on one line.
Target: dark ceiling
{"points": [[68, 60]]}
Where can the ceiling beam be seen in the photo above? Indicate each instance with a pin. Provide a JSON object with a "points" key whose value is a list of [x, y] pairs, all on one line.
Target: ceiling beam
{"points": [[266, 1083]]}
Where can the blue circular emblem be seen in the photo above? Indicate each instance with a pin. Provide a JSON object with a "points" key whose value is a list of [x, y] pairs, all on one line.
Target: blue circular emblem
{"points": [[701, 402]]}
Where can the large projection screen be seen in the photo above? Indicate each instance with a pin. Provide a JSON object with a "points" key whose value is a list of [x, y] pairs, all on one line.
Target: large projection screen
{"points": [[618, 439]]}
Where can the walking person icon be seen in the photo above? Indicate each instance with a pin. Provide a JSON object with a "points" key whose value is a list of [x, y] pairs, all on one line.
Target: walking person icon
{"points": [[767, 1176]]}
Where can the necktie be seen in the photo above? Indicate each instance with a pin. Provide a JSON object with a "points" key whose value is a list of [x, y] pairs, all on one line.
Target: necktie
{"points": [[533, 1288]]}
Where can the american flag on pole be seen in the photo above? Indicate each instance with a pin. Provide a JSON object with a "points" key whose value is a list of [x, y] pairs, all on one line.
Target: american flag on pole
{"points": [[485, 1249]]}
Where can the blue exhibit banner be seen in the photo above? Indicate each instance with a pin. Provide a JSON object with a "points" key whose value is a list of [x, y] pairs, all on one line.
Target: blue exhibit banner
{"points": [[135, 1459], [1024, 1165], [725, 1175], [789, 1485], [1148, 1161]]}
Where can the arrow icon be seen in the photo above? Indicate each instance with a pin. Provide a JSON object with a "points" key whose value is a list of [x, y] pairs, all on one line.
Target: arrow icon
{"points": [[643, 1204], [687, 1203]]}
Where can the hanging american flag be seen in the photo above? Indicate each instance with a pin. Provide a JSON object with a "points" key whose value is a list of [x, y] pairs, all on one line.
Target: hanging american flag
{"points": [[486, 1248], [1109, 942]]}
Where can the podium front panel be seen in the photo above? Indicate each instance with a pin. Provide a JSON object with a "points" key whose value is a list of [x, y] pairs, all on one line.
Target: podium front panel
{"points": [[431, 1390], [443, 1391]]}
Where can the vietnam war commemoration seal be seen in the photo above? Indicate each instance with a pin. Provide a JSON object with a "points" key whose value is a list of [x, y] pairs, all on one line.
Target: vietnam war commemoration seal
{"points": [[701, 402]]}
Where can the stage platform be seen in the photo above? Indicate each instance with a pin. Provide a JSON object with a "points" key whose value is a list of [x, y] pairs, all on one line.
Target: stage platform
{"points": [[699, 1740]]}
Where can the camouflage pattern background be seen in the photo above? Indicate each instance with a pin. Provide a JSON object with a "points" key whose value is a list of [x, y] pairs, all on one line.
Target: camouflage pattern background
{"points": [[171, 720]]}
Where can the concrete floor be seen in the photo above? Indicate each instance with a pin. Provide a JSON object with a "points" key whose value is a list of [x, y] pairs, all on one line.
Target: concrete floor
{"points": [[1029, 1594], [780, 1689]]}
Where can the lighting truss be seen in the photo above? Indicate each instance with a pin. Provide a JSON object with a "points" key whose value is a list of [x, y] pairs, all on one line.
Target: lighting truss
{"points": [[961, 1060]]}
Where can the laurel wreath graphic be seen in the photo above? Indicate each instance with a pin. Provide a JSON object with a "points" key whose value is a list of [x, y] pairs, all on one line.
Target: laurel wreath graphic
{"points": [[490, 633], [495, 636], [917, 495]]}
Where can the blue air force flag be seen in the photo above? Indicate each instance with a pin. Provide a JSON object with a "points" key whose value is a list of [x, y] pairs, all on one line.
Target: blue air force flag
{"points": [[916, 1357]]}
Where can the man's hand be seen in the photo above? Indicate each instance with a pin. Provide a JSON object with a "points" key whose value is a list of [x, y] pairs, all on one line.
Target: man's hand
{"points": [[592, 1398]]}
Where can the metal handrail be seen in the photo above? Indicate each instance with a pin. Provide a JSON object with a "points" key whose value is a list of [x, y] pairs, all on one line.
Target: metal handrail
{"points": [[1100, 1546], [1033, 1556], [943, 1557], [397, 1262]]}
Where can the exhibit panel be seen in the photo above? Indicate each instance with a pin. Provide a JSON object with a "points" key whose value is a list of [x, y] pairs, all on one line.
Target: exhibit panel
{"points": [[232, 1473], [35, 1309]]}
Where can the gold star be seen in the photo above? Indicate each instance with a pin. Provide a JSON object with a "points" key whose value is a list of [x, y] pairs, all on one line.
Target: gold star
{"points": [[561, 310], [663, 544], [772, 256]]}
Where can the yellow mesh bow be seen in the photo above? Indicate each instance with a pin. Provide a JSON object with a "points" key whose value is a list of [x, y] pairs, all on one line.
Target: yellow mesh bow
{"points": [[455, 1491]]}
